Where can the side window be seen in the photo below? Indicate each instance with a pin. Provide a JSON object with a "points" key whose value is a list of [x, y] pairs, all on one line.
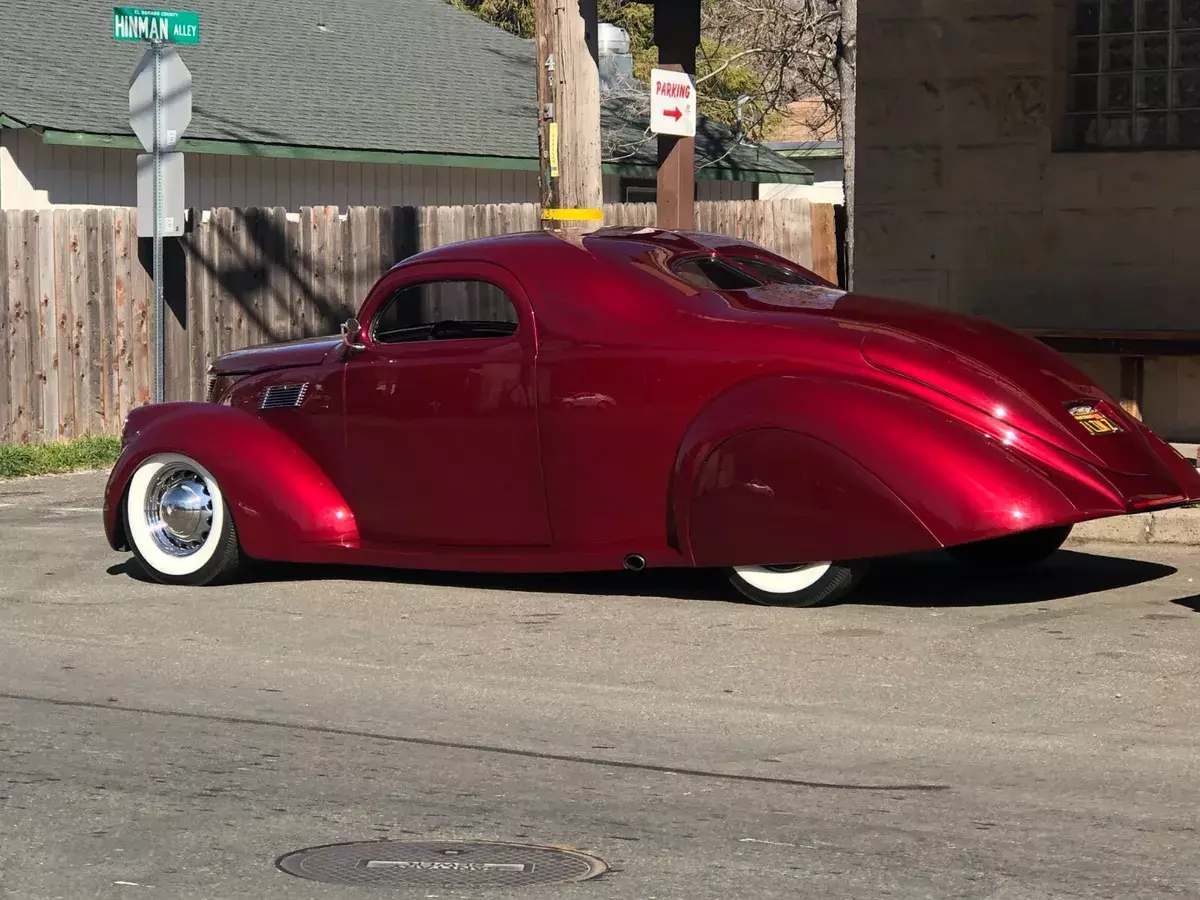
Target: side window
{"points": [[709, 272], [772, 273], [445, 310]]}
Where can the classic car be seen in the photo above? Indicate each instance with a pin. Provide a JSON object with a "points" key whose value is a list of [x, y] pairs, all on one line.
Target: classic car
{"points": [[635, 398]]}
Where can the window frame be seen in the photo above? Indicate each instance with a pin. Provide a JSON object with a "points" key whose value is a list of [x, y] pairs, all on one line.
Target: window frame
{"points": [[645, 190], [388, 291]]}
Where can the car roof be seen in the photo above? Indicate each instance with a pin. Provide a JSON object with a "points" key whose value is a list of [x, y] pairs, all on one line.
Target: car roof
{"points": [[635, 239]]}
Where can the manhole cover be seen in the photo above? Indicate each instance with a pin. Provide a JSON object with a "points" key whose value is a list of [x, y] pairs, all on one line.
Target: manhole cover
{"points": [[445, 864]]}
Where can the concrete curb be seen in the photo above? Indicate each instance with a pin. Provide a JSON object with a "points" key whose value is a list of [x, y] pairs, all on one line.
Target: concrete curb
{"points": [[1172, 526]]}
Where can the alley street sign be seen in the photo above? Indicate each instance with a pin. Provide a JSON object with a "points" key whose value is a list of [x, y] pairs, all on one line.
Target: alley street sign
{"points": [[672, 103], [175, 99], [172, 194], [164, 26]]}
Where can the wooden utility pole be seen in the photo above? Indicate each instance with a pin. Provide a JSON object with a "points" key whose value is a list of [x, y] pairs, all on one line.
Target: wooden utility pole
{"points": [[848, 77], [677, 34], [568, 93]]}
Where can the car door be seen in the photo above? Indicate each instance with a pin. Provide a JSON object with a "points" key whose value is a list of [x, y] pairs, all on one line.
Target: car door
{"points": [[440, 412]]}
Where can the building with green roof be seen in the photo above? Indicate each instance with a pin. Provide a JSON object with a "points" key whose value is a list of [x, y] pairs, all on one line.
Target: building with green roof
{"points": [[364, 102]]}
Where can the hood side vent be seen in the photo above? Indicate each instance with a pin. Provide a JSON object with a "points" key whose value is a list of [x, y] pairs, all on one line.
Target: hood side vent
{"points": [[283, 396]]}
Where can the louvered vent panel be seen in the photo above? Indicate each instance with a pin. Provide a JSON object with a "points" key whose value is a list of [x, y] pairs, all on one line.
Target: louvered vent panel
{"points": [[283, 396]]}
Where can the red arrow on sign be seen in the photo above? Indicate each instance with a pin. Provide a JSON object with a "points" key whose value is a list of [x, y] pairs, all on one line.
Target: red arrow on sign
{"points": [[673, 113]]}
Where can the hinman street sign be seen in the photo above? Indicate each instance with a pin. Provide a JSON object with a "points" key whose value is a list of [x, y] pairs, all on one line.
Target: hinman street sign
{"points": [[164, 26], [672, 103], [174, 91]]}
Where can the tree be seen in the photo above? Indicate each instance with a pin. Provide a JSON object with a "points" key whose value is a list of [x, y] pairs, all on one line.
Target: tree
{"points": [[514, 16], [756, 57]]}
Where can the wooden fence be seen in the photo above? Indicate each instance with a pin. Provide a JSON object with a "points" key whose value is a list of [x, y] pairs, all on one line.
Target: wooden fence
{"points": [[76, 290]]}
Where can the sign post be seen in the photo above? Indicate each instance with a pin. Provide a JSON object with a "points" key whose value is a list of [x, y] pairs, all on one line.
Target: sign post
{"points": [[673, 119], [676, 34], [160, 110]]}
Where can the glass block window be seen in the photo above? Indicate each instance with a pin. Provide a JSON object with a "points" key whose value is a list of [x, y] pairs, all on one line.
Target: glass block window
{"points": [[1134, 75]]}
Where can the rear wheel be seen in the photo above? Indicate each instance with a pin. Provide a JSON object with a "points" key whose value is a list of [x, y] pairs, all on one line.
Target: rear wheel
{"points": [[1026, 548], [178, 522], [802, 585]]}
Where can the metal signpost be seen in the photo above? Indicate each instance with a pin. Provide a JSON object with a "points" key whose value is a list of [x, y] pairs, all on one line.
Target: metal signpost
{"points": [[160, 110], [673, 119]]}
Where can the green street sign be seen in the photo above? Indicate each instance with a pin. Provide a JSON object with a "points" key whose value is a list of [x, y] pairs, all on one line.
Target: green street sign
{"points": [[163, 25]]}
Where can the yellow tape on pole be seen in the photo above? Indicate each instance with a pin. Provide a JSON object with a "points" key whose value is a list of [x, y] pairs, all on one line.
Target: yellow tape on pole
{"points": [[574, 215]]}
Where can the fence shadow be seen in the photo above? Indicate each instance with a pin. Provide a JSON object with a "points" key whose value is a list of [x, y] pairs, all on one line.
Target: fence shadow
{"points": [[258, 259]]}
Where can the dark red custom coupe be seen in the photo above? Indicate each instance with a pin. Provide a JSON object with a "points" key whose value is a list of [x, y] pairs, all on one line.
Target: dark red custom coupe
{"points": [[640, 398]]}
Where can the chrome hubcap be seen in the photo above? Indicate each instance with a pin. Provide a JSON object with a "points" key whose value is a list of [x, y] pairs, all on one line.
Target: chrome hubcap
{"points": [[179, 510]]}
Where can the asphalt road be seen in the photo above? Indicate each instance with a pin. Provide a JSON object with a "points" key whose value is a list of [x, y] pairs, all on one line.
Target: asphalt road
{"points": [[942, 735]]}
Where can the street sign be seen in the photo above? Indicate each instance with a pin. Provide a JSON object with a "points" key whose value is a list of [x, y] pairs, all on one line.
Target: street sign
{"points": [[175, 89], [164, 26], [172, 194], [672, 103]]}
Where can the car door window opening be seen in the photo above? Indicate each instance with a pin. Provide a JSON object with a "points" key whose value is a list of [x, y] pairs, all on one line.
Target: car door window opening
{"points": [[445, 309]]}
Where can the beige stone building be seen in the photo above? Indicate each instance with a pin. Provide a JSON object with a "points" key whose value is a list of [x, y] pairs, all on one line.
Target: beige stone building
{"points": [[1038, 162]]}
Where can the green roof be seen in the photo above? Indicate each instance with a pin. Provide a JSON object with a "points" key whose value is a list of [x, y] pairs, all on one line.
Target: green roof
{"points": [[625, 123], [407, 80]]}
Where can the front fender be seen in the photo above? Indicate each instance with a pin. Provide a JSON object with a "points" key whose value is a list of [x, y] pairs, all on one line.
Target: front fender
{"points": [[277, 495], [797, 468]]}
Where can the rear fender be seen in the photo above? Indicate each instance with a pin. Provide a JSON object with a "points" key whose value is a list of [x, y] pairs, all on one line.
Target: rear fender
{"points": [[278, 496], [789, 469]]}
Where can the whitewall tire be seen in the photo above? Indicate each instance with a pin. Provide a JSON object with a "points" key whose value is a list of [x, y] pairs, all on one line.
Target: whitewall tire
{"points": [[178, 522], [808, 584]]}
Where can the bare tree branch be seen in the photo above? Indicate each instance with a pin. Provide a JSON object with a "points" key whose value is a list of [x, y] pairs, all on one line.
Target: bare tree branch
{"points": [[725, 65]]}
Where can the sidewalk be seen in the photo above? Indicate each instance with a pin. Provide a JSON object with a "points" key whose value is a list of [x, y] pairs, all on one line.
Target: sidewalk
{"points": [[1188, 450], [1173, 526]]}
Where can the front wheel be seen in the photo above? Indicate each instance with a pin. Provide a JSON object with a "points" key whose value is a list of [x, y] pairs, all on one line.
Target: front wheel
{"points": [[1019, 550], [809, 584], [178, 522]]}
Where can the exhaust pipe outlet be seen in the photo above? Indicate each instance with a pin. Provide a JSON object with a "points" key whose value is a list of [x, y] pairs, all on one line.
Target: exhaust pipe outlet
{"points": [[635, 562]]}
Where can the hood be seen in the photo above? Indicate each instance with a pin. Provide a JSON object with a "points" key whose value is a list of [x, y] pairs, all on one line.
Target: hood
{"points": [[303, 352]]}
